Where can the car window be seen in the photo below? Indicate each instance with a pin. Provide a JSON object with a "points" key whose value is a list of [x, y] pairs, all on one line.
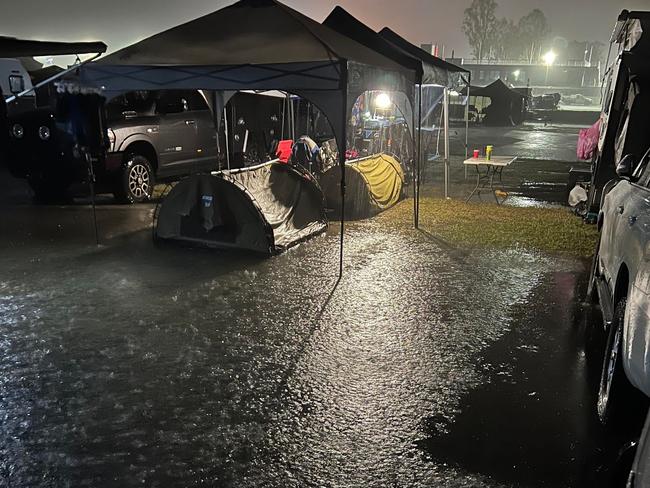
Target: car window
{"points": [[16, 84], [195, 101], [135, 103], [172, 102]]}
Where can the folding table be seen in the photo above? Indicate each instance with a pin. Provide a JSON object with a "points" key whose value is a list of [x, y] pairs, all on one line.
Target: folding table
{"points": [[485, 179]]}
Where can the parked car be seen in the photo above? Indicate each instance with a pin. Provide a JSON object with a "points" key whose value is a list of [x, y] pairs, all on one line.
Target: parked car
{"points": [[154, 135], [621, 279]]}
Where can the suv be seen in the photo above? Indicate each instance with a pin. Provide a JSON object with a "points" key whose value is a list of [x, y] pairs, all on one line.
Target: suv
{"points": [[151, 135], [621, 278]]}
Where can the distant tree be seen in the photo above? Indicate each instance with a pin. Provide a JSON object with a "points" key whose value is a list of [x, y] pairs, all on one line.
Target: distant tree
{"points": [[597, 53], [507, 40], [534, 30], [479, 25]]}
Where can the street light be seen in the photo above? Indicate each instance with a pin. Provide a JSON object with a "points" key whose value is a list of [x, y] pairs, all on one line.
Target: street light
{"points": [[549, 58]]}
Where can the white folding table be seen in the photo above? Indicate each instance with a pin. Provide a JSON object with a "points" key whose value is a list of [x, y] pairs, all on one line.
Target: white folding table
{"points": [[485, 178]]}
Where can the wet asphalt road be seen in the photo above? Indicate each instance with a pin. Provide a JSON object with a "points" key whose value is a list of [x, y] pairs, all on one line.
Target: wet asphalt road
{"points": [[130, 365]]}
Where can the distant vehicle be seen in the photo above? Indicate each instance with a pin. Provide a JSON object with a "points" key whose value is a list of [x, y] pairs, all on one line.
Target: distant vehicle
{"points": [[549, 101], [621, 278], [151, 136], [577, 100]]}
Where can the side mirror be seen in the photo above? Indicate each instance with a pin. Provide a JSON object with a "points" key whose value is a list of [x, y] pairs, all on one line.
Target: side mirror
{"points": [[625, 167]]}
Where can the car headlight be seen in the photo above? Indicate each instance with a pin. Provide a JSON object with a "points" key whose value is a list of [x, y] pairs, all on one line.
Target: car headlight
{"points": [[18, 131], [111, 138], [44, 132]]}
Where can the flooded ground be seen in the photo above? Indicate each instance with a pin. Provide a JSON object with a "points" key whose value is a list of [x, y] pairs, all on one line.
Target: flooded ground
{"points": [[129, 364], [545, 154]]}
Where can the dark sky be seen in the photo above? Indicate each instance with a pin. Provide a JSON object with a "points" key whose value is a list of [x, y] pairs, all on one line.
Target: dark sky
{"points": [[120, 22]]}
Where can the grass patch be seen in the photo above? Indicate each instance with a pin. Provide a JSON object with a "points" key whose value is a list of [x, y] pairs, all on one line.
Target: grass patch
{"points": [[485, 225]]}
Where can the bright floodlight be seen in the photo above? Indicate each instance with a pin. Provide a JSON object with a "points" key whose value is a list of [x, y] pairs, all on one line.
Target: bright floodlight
{"points": [[382, 101], [516, 73], [549, 58]]}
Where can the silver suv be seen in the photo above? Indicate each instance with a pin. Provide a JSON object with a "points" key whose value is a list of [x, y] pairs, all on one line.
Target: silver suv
{"points": [[157, 135], [621, 278]]}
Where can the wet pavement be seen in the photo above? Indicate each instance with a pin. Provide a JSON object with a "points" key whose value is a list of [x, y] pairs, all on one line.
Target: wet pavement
{"points": [[130, 364], [531, 141], [545, 155]]}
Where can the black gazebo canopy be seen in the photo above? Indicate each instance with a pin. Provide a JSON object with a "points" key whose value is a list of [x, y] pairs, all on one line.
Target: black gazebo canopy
{"points": [[256, 45]]}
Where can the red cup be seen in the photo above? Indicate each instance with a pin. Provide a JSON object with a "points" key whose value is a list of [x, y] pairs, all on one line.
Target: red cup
{"points": [[477, 153]]}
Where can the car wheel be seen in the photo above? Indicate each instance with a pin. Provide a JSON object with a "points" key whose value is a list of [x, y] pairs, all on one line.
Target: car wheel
{"points": [[136, 181], [614, 385]]}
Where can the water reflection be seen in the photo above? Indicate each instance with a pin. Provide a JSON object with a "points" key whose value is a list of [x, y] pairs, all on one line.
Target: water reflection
{"points": [[134, 365]]}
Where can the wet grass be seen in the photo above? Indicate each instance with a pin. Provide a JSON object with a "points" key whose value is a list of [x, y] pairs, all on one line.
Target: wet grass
{"points": [[486, 225]]}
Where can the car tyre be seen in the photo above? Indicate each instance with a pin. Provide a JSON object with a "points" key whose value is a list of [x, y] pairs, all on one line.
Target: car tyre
{"points": [[614, 386], [136, 180]]}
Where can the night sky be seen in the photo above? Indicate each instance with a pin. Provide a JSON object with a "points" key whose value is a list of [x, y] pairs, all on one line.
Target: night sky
{"points": [[119, 23]]}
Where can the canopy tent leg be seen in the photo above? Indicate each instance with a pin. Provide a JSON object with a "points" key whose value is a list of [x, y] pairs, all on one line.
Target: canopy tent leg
{"points": [[342, 151], [466, 129], [226, 131], [415, 162], [284, 115], [419, 158], [446, 122], [91, 186]]}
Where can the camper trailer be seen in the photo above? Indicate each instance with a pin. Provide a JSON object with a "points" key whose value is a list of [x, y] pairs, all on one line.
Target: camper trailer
{"points": [[624, 115], [15, 79]]}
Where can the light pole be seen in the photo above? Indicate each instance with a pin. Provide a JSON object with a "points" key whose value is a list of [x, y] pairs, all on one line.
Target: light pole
{"points": [[549, 58]]}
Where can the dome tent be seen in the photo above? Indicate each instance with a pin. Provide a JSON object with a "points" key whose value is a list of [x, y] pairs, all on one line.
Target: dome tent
{"points": [[374, 184], [266, 209]]}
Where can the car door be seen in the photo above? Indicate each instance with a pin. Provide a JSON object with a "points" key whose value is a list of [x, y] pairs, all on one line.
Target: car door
{"points": [[177, 141], [206, 152], [635, 253], [625, 221]]}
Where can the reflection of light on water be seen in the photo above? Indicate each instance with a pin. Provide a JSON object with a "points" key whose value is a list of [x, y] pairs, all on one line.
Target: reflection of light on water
{"points": [[168, 355], [527, 202]]}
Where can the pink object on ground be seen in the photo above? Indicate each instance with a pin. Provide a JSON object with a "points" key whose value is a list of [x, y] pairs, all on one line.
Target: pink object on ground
{"points": [[588, 142]]}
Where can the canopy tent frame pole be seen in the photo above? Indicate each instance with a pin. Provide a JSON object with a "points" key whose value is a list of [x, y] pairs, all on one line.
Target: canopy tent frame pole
{"points": [[446, 122], [419, 156], [415, 183], [227, 132], [284, 114], [215, 123], [469, 83], [342, 151]]}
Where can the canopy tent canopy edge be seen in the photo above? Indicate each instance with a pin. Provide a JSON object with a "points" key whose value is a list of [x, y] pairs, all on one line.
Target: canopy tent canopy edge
{"points": [[436, 71], [11, 47]]}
